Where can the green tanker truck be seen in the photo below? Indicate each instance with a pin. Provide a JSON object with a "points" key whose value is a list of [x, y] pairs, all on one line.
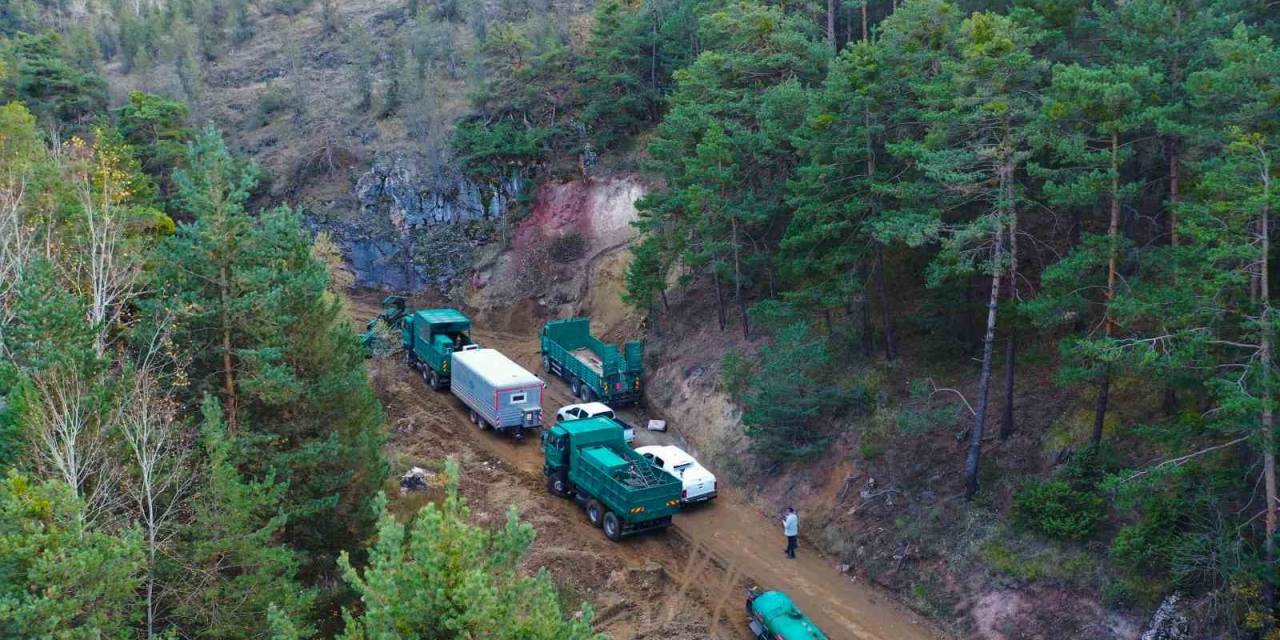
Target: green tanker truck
{"points": [[622, 492], [593, 369], [771, 615]]}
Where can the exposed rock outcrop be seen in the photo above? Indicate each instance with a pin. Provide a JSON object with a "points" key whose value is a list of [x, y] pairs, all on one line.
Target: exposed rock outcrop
{"points": [[405, 235]]}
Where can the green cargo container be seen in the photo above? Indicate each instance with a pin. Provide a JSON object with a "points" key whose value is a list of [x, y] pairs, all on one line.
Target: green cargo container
{"points": [[593, 369], [622, 491], [773, 616], [430, 337]]}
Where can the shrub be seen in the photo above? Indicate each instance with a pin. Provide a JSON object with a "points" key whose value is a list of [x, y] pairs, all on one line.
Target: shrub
{"points": [[568, 247], [1057, 510], [735, 372], [274, 98], [1149, 546]]}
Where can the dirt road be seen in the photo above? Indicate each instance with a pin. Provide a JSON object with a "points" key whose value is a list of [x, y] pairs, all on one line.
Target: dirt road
{"points": [[687, 582]]}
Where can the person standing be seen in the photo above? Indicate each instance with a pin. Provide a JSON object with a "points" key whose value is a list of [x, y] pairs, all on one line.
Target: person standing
{"points": [[791, 529]]}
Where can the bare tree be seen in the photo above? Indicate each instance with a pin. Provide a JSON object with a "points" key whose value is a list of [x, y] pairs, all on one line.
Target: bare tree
{"points": [[105, 270], [158, 450], [17, 235], [70, 440]]}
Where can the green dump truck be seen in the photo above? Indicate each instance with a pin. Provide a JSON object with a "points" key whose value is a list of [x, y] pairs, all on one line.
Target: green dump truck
{"points": [[771, 615], [622, 492], [430, 337], [593, 369], [393, 312]]}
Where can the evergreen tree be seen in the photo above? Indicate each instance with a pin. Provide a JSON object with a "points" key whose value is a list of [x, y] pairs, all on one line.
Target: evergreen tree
{"points": [[440, 576], [60, 578], [232, 571], [785, 412], [44, 78], [252, 311], [976, 151], [1094, 115], [725, 149], [634, 50]]}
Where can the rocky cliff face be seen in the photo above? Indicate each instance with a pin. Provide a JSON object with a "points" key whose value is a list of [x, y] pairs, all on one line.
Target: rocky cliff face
{"points": [[416, 229]]}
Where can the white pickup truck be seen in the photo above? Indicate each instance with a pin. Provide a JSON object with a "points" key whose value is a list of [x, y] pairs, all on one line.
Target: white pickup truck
{"points": [[591, 410]]}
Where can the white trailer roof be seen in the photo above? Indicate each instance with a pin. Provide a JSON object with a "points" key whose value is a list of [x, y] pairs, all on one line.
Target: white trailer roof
{"points": [[494, 368]]}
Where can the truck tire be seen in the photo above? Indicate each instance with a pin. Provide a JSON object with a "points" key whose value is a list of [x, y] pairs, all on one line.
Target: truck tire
{"points": [[576, 387], [410, 360], [595, 513], [587, 394], [556, 485], [612, 526], [546, 363], [475, 417], [434, 380]]}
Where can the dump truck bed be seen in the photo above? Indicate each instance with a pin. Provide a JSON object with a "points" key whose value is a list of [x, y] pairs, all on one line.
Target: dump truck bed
{"points": [[608, 374], [623, 480], [589, 358]]}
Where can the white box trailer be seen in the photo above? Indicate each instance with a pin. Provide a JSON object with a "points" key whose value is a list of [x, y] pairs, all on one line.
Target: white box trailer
{"points": [[500, 393]]}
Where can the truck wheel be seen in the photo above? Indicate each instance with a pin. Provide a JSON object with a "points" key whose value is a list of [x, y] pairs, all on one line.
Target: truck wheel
{"points": [[576, 387], [587, 394], [409, 360], [612, 527], [555, 484], [475, 417], [595, 513], [434, 381], [546, 364]]}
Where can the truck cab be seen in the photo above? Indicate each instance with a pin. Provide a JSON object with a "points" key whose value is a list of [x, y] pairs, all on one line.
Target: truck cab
{"points": [[430, 337], [591, 410]]}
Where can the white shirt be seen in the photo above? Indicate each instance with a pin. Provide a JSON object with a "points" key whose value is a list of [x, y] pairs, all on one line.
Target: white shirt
{"points": [[791, 525]]}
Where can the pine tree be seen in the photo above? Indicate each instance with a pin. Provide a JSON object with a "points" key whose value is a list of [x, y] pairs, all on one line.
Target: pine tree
{"points": [[444, 577], [252, 310], [231, 569], [1092, 117], [975, 152], [60, 577]]}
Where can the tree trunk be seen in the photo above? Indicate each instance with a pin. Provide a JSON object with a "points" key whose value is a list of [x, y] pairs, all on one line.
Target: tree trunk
{"points": [[719, 298], [228, 372], [890, 342], [1175, 175], [1170, 401], [1113, 259], [865, 33], [833, 8], [974, 455], [1268, 416], [737, 281], [868, 333], [1010, 355], [1100, 408]]}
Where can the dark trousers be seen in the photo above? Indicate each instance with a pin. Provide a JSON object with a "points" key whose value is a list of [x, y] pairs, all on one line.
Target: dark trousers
{"points": [[791, 546]]}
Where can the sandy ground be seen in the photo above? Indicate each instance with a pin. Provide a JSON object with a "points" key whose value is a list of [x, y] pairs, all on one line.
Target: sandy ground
{"points": [[686, 582]]}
